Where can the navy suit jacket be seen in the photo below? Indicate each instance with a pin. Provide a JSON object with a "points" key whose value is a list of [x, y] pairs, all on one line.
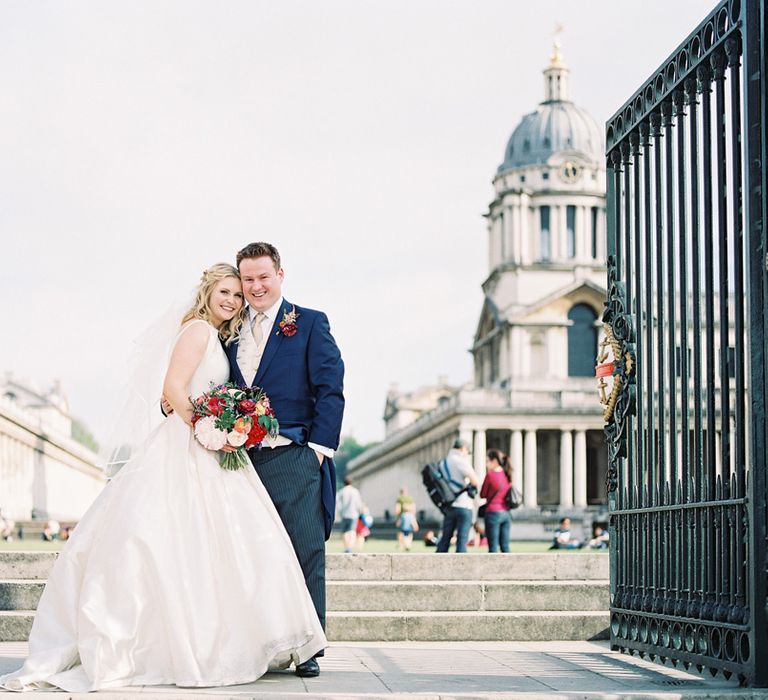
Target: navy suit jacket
{"points": [[303, 375]]}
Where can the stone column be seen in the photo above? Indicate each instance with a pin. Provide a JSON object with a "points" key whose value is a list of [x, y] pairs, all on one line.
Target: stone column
{"points": [[580, 469], [516, 458], [478, 454], [530, 494], [562, 233], [566, 469], [524, 233], [511, 231]]}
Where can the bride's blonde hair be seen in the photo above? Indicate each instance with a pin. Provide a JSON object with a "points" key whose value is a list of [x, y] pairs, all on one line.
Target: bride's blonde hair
{"points": [[228, 331]]}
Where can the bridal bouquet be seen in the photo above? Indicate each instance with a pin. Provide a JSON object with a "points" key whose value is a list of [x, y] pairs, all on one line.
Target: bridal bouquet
{"points": [[232, 415]]}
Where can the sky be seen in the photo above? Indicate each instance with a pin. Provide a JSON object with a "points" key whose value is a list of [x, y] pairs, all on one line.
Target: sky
{"points": [[142, 141]]}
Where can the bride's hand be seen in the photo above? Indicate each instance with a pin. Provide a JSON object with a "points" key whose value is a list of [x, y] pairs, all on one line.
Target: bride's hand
{"points": [[228, 448]]}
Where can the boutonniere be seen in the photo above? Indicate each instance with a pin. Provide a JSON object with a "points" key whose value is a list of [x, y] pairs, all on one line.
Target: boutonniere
{"points": [[288, 324]]}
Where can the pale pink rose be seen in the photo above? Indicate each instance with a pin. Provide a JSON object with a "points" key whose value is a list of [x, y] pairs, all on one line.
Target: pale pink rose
{"points": [[208, 435], [236, 438]]}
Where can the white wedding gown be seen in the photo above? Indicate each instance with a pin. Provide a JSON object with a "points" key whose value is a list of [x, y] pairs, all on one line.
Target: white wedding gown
{"points": [[180, 573]]}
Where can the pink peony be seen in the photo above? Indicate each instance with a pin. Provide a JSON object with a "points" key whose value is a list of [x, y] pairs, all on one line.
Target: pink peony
{"points": [[208, 435]]}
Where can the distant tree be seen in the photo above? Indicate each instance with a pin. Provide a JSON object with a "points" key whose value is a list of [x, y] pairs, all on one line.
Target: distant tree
{"points": [[348, 450], [84, 436]]}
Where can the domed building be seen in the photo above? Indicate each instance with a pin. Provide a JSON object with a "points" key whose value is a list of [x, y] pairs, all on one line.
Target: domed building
{"points": [[533, 394]]}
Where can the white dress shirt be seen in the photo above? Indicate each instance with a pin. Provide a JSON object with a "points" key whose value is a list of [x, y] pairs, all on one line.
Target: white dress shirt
{"points": [[249, 357]]}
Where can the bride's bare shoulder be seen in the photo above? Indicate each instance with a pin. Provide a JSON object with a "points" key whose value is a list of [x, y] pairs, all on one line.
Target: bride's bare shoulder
{"points": [[194, 332]]}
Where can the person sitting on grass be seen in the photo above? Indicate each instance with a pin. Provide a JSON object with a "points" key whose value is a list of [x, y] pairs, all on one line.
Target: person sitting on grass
{"points": [[600, 540], [6, 528], [563, 538]]}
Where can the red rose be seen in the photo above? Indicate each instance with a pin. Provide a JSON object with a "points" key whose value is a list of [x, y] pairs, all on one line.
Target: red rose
{"points": [[215, 406], [290, 329], [247, 406], [256, 435]]}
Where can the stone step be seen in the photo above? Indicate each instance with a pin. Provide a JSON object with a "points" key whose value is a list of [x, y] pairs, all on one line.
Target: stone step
{"points": [[424, 596], [15, 625], [467, 626], [534, 625], [554, 566], [24, 594], [20, 594], [26, 565], [419, 597]]}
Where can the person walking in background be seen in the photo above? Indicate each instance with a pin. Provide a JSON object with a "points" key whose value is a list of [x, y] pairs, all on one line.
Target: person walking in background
{"points": [[349, 506], [405, 519], [404, 500], [363, 528], [498, 480], [458, 516], [407, 524]]}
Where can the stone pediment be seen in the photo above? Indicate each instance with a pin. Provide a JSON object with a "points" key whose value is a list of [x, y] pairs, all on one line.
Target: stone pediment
{"points": [[490, 320], [555, 306]]}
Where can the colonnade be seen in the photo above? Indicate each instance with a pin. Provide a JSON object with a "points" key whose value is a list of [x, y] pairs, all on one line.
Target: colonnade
{"points": [[511, 240], [523, 455]]}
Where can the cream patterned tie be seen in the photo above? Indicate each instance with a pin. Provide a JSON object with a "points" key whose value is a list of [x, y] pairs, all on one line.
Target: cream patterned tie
{"points": [[256, 329]]}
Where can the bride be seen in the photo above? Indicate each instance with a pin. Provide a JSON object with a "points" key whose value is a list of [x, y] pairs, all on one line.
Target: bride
{"points": [[180, 572]]}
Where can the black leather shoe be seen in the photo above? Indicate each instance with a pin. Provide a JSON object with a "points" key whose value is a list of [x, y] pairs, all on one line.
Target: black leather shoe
{"points": [[309, 669]]}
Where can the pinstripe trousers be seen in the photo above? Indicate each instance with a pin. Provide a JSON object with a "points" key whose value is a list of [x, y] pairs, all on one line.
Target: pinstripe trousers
{"points": [[291, 475]]}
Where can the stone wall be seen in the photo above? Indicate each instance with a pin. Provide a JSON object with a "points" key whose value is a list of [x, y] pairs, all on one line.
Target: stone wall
{"points": [[43, 472]]}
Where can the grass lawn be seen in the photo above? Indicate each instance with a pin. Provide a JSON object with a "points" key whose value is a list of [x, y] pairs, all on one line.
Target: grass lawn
{"points": [[30, 545], [372, 546]]}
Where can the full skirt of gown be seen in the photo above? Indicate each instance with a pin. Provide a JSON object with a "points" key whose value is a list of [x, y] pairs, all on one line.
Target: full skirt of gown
{"points": [[180, 573]]}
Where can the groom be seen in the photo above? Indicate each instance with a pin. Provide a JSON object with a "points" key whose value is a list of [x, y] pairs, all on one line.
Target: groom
{"points": [[289, 351]]}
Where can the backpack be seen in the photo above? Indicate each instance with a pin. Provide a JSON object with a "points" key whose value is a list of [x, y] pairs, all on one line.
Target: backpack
{"points": [[441, 488]]}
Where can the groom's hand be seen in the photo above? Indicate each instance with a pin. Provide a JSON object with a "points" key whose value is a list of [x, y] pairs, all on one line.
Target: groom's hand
{"points": [[167, 408], [320, 456]]}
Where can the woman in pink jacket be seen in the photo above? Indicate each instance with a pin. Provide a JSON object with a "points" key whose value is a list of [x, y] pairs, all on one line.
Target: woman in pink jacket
{"points": [[498, 480]]}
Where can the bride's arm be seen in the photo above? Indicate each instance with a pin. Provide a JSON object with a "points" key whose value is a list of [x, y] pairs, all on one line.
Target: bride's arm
{"points": [[185, 358]]}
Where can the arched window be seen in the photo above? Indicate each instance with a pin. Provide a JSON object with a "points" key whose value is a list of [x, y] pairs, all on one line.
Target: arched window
{"points": [[582, 341]]}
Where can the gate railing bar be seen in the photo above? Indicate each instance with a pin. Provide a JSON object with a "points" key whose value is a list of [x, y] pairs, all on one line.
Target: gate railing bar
{"points": [[755, 137]]}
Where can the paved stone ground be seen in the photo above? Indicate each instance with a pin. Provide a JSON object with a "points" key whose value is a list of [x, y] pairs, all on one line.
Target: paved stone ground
{"points": [[443, 670]]}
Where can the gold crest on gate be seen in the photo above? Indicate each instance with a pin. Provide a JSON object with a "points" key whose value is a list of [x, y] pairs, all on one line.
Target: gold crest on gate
{"points": [[609, 380]]}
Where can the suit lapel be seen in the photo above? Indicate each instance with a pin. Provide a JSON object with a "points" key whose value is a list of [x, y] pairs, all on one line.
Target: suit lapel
{"points": [[231, 353], [273, 343]]}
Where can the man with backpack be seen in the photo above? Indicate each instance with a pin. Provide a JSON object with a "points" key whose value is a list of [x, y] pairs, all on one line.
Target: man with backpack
{"points": [[457, 517]]}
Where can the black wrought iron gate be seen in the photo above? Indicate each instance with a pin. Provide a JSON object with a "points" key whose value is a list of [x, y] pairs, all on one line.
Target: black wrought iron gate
{"points": [[686, 320]]}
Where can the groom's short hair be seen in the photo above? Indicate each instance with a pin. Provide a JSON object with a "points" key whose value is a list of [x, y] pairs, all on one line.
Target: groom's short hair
{"points": [[259, 249]]}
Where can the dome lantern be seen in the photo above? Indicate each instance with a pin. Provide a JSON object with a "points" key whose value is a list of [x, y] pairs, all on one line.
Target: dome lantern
{"points": [[556, 77]]}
